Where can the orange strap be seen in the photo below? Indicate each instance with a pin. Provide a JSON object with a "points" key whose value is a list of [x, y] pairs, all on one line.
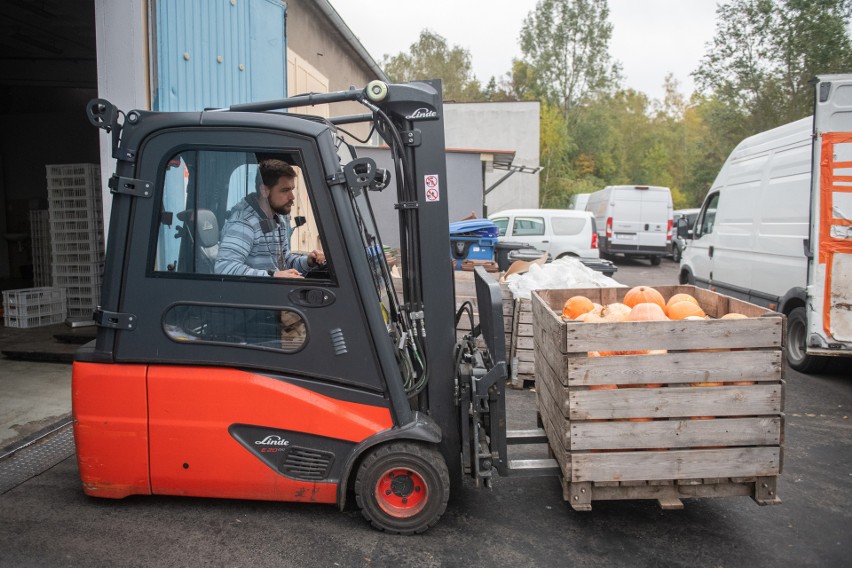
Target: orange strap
{"points": [[828, 245]]}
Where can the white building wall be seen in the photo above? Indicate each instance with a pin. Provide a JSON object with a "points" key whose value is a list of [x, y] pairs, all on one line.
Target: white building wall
{"points": [[499, 126], [121, 30]]}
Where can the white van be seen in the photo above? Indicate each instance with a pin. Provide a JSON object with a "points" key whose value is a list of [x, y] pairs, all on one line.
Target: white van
{"points": [[578, 201], [763, 236], [633, 220], [560, 232]]}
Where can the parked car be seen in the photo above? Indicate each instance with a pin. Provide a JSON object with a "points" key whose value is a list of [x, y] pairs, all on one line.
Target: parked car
{"points": [[633, 220], [679, 243], [559, 232]]}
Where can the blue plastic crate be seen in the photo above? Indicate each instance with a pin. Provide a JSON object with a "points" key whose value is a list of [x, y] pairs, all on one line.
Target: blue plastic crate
{"points": [[474, 228]]}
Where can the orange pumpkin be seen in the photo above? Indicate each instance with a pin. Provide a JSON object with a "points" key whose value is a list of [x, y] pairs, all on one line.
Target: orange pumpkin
{"points": [[647, 311], [577, 305], [643, 295], [684, 309], [682, 298], [615, 312]]}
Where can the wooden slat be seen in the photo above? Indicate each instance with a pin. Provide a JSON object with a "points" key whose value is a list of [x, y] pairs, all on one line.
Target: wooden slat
{"points": [[676, 464], [714, 304], [671, 402], [620, 435], [560, 434], [525, 317], [524, 329], [563, 458], [673, 335], [620, 492], [668, 368], [525, 356]]}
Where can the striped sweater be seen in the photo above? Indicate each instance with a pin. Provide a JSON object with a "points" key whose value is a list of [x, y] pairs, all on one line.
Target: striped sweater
{"points": [[245, 250]]}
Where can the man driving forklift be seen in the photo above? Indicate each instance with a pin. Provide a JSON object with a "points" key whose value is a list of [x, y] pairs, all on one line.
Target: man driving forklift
{"points": [[254, 239]]}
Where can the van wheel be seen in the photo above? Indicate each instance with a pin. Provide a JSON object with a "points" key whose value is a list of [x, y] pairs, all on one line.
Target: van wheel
{"points": [[797, 333], [655, 260], [685, 277], [676, 254]]}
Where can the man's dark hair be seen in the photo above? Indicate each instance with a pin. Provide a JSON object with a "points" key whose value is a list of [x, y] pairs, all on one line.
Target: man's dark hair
{"points": [[270, 171]]}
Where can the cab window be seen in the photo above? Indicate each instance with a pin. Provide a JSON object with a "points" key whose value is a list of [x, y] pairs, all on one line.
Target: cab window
{"points": [[502, 223], [528, 226], [202, 190], [707, 217]]}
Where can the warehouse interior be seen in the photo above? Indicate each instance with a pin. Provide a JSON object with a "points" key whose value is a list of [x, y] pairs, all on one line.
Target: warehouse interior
{"points": [[48, 71]]}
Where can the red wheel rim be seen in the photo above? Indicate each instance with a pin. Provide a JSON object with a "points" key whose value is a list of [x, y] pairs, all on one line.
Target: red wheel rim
{"points": [[401, 492]]}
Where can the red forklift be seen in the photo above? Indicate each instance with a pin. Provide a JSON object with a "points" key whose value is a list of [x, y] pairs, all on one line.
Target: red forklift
{"points": [[302, 389]]}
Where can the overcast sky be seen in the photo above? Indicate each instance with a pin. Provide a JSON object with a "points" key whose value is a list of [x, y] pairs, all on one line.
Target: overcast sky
{"points": [[650, 37]]}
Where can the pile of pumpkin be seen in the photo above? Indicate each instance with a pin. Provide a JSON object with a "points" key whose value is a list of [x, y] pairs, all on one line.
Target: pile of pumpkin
{"points": [[642, 303]]}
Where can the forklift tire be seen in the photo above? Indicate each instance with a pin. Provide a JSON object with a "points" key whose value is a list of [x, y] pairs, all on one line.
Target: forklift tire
{"points": [[403, 487]]}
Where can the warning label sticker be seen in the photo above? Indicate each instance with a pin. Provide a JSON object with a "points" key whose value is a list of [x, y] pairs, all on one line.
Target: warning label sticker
{"points": [[433, 188]]}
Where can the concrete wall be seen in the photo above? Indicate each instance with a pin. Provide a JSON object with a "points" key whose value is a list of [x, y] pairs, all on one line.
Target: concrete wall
{"points": [[499, 126]]}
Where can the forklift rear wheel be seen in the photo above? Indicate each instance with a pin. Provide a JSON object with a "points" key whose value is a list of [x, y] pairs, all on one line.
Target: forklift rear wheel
{"points": [[403, 487]]}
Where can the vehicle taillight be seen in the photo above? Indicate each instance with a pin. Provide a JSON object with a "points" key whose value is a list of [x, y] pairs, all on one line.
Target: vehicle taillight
{"points": [[669, 231], [609, 227], [595, 240]]}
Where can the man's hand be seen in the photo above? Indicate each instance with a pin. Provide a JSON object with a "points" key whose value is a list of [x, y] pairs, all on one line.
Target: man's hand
{"points": [[289, 273], [316, 258]]}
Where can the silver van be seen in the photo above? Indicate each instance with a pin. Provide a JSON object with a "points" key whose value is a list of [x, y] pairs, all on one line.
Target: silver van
{"points": [[560, 232]]}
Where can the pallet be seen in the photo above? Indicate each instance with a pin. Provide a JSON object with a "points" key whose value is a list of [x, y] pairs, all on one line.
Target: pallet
{"points": [[703, 419]]}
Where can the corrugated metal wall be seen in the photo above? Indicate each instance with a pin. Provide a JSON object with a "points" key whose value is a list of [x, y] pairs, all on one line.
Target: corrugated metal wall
{"points": [[214, 53]]}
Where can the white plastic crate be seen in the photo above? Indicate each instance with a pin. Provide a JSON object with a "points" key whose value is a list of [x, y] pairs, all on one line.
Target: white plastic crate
{"points": [[79, 279], [96, 268], [40, 240], [32, 296], [72, 176], [26, 322], [69, 245], [77, 258], [33, 307]]}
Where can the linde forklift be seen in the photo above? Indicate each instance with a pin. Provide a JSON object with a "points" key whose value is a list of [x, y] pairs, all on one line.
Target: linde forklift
{"points": [[290, 389]]}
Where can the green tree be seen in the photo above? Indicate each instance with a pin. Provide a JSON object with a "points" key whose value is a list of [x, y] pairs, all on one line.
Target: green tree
{"points": [[431, 58], [764, 53], [566, 43]]}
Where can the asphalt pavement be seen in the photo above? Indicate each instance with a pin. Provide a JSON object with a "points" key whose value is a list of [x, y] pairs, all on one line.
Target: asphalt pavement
{"points": [[46, 520]]}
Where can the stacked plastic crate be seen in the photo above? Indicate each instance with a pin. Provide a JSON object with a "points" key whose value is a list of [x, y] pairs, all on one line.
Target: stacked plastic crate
{"points": [[40, 239], [33, 307], [76, 229]]}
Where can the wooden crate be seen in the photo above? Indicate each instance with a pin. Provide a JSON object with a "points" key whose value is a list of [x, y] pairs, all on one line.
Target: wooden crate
{"points": [[521, 354], [704, 418]]}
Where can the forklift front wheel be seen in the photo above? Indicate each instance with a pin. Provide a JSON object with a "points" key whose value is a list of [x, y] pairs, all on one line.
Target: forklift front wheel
{"points": [[403, 487]]}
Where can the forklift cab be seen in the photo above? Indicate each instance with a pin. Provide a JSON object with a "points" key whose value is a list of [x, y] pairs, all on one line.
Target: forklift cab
{"points": [[204, 382]]}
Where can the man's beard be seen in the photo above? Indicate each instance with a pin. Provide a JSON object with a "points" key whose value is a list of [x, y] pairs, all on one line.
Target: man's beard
{"points": [[284, 209]]}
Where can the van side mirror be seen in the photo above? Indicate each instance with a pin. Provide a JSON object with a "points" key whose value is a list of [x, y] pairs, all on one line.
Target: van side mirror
{"points": [[683, 231]]}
